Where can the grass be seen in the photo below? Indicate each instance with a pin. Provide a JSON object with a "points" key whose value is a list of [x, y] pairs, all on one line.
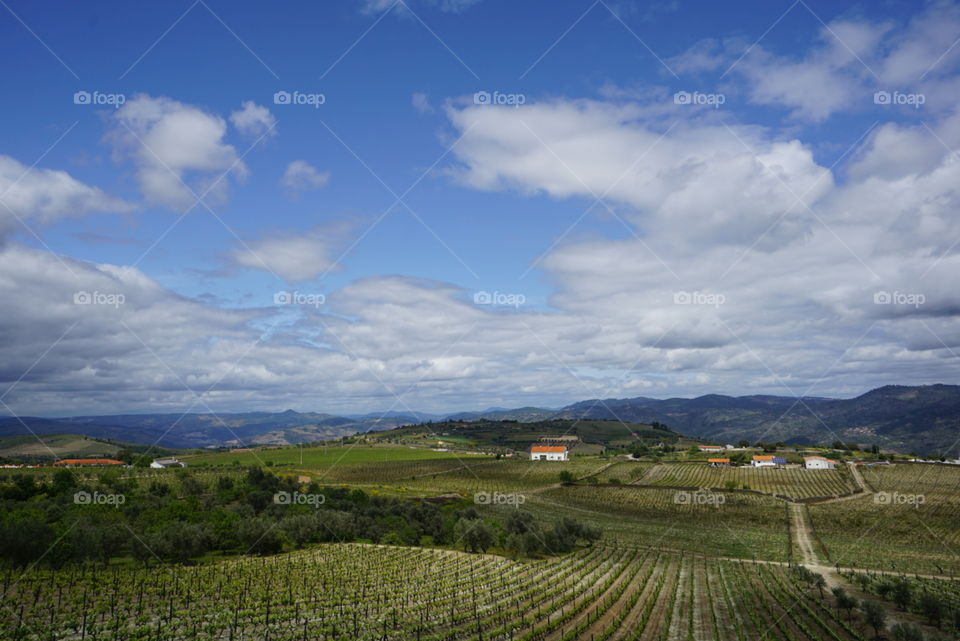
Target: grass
{"points": [[792, 481], [61, 445], [743, 526], [321, 458], [912, 524]]}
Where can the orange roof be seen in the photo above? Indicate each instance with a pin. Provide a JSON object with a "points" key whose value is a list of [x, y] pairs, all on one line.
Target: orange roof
{"points": [[763, 458], [548, 448], [89, 461], [718, 460], [712, 447]]}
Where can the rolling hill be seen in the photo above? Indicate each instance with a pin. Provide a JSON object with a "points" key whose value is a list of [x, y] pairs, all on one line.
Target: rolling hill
{"points": [[921, 419]]}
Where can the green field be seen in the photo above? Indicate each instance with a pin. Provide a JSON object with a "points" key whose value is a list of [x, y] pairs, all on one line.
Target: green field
{"points": [[794, 482], [671, 564], [361, 592], [910, 524], [56, 445], [321, 457], [743, 526]]}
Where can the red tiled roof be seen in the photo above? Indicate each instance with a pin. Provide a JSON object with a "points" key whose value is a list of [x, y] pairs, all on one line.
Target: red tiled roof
{"points": [[718, 460], [548, 448], [89, 461], [762, 458]]}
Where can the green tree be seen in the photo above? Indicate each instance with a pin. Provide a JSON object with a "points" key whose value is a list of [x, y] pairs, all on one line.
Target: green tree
{"points": [[566, 477], [63, 481], [259, 536], [24, 540], [819, 582], [185, 541], [932, 608], [302, 529], [475, 534], [902, 594], [875, 616], [906, 632]]}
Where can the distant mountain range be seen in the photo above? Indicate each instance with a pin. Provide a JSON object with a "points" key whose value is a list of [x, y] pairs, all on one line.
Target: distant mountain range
{"points": [[204, 430], [922, 419]]}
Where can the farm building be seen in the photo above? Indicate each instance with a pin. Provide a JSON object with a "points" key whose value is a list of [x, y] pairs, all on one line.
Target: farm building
{"points": [[718, 462], [769, 461], [87, 462], [711, 448], [548, 453], [162, 463], [819, 463]]}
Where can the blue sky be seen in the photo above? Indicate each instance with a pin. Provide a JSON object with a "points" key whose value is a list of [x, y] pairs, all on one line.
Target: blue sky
{"points": [[791, 194]]}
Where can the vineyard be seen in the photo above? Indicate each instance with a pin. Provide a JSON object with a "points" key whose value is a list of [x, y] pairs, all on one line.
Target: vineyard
{"points": [[360, 592], [320, 457], [744, 526], [466, 475], [671, 565], [936, 599], [909, 524], [794, 482], [627, 472]]}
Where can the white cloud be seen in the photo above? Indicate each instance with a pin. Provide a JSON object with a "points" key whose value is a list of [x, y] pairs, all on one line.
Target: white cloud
{"points": [[294, 257], [46, 195], [178, 150], [701, 182], [301, 175], [421, 103], [850, 60], [797, 280], [254, 121], [711, 210]]}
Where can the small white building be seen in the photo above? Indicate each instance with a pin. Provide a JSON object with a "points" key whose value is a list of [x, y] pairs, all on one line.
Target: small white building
{"points": [[548, 453], [819, 463], [764, 461], [163, 463], [714, 449]]}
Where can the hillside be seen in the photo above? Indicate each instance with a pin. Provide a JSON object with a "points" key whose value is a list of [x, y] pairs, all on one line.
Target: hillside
{"points": [[518, 435], [203, 430], [922, 419], [43, 449]]}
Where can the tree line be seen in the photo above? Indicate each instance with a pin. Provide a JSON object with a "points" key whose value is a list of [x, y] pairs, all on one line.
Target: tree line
{"points": [[183, 519]]}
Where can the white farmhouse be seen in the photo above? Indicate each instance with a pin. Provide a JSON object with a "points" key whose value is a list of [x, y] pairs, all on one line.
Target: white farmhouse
{"points": [[548, 453], [819, 463], [162, 463]]}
